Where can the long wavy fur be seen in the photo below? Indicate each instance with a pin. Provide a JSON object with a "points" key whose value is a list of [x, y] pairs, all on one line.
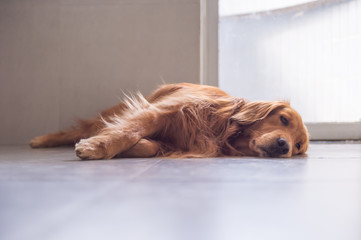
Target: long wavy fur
{"points": [[188, 120]]}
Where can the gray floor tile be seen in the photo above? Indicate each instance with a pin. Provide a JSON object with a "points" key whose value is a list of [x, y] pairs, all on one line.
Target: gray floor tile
{"points": [[49, 194]]}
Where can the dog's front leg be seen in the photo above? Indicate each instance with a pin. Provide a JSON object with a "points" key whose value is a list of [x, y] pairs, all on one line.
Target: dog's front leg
{"points": [[119, 137], [106, 145]]}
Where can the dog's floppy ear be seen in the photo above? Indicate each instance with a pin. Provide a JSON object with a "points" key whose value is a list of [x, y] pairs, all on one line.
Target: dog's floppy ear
{"points": [[256, 111]]}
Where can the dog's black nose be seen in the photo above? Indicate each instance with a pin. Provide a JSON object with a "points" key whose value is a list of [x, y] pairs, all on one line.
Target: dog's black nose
{"points": [[282, 146]]}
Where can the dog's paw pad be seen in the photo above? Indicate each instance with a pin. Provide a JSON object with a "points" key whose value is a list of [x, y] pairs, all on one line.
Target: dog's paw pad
{"points": [[90, 149]]}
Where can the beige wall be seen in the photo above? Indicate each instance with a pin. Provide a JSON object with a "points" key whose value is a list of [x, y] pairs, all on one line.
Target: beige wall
{"points": [[63, 59]]}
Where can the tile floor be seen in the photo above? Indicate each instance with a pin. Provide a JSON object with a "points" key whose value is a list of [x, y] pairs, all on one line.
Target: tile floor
{"points": [[47, 194]]}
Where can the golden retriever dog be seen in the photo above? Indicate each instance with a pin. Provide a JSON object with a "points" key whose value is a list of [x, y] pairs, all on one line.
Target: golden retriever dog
{"points": [[186, 120]]}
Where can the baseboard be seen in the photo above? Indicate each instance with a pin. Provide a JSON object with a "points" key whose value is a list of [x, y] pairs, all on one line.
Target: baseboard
{"points": [[334, 131]]}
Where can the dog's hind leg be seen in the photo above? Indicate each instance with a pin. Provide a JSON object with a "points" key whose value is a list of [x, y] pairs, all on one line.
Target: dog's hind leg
{"points": [[143, 149], [84, 129], [56, 139]]}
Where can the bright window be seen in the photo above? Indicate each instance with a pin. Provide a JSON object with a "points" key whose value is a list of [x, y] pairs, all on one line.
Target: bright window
{"points": [[308, 53]]}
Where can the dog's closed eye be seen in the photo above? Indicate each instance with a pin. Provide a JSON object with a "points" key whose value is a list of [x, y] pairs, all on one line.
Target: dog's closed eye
{"points": [[284, 120]]}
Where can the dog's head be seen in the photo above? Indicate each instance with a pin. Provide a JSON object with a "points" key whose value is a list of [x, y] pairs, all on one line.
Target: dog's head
{"points": [[270, 129]]}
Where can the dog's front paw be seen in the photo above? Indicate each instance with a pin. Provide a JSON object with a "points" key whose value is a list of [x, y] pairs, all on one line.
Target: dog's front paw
{"points": [[91, 148]]}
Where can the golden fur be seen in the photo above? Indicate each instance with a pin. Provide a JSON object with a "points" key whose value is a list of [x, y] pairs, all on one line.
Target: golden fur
{"points": [[186, 120]]}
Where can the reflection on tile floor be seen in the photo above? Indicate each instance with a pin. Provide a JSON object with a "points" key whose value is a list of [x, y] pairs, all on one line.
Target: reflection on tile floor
{"points": [[49, 194]]}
